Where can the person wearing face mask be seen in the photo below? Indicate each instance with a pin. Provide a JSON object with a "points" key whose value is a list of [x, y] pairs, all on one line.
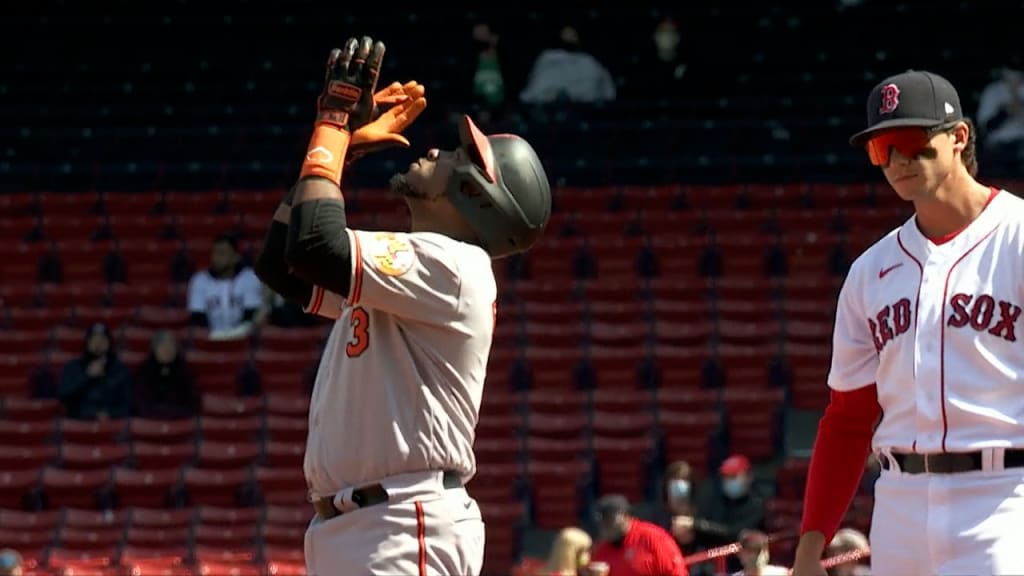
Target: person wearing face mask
{"points": [[730, 507], [630, 546], [96, 385], [680, 517]]}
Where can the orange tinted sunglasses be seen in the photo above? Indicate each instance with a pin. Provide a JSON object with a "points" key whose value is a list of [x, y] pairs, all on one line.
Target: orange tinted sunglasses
{"points": [[909, 142]]}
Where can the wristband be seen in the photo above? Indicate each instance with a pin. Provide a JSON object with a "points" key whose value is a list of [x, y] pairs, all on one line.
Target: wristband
{"points": [[325, 156]]}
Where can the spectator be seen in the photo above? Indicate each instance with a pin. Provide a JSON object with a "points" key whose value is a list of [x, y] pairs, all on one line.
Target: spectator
{"points": [[848, 540], [729, 507], [569, 552], [96, 385], [754, 556], [1001, 123], [488, 81], [164, 387], [227, 297], [680, 512], [11, 563], [670, 64], [633, 547], [566, 72]]}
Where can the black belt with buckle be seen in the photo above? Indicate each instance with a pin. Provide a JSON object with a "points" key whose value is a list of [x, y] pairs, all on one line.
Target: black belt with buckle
{"points": [[374, 494], [949, 462]]}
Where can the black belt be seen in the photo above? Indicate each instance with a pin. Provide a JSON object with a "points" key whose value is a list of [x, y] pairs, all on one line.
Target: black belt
{"points": [[949, 462], [374, 494]]}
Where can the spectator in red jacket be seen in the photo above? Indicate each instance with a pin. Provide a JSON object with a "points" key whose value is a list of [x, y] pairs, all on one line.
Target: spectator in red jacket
{"points": [[632, 547]]}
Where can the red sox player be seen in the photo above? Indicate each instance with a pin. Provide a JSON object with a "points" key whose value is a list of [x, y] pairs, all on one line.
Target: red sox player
{"points": [[397, 394], [927, 356]]}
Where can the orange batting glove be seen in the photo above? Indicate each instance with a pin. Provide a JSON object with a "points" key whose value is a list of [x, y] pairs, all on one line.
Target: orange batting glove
{"points": [[409, 101]]}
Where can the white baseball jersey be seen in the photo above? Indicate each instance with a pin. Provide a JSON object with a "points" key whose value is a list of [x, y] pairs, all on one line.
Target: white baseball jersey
{"points": [[224, 301], [938, 328], [399, 386]]}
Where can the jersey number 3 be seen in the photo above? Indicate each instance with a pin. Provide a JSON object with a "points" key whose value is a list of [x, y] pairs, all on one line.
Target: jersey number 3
{"points": [[359, 321]]}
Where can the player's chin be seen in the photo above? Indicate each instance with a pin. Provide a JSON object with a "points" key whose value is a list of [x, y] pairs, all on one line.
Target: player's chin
{"points": [[401, 186]]}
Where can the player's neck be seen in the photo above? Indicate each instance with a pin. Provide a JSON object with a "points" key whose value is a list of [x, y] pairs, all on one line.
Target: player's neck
{"points": [[955, 204], [424, 219]]}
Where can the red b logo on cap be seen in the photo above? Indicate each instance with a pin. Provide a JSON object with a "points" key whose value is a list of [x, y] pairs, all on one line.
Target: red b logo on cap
{"points": [[890, 99]]}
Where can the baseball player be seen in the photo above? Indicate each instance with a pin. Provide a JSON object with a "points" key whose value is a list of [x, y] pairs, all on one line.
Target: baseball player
{"points": [[927, 344], [398, 390]]}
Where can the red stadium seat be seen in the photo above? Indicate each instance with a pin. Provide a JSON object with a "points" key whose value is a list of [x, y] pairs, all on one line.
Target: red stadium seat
{"points": [[31, 410], [287, 428], [555, 489], [214, 487], [92, 432], [145, 488], [29, 457], [284, 454], [223, 406], [281, 486], [161, 518], [230, 428], [162, 456], [290, 405], [74, 488], [20, 433], [214, 455], [161, 431], [92, 456]]}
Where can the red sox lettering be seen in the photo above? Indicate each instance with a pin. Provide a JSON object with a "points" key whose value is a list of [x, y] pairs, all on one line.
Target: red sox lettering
{"points": [[983, 313]]}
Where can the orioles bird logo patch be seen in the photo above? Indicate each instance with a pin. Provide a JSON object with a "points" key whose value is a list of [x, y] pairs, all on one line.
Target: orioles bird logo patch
{"points": [[392, 255]]}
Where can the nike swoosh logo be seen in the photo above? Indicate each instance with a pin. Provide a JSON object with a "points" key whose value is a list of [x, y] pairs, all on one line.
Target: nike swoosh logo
{"points": [[884, 271], [467, 504]]}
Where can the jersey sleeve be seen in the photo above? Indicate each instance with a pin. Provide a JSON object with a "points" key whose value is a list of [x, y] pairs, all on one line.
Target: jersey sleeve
{"points": [[407, 275], [252, 290], [854, 358], [197, 293]]}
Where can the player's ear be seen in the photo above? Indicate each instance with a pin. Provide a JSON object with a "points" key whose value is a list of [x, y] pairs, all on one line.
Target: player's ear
{"points": [[961, 133]]}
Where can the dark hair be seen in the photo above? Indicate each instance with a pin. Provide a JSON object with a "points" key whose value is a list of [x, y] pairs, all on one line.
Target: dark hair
{"points": [[228, 238], [970, 154]]}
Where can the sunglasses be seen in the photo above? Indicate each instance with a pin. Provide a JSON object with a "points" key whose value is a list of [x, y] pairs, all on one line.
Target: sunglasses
{"points": [[909, 142]]}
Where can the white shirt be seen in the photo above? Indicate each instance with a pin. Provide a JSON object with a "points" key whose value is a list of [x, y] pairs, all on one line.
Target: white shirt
{"points": [[939, 329], [224, 301], [399, 386]]}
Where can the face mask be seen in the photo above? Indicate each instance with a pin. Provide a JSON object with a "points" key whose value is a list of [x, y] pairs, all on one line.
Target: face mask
{"points": [[679, 489], [734, 487]]}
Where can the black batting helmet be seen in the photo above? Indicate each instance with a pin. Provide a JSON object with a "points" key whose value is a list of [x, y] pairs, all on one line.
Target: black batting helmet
{"points": [[503, 192]]}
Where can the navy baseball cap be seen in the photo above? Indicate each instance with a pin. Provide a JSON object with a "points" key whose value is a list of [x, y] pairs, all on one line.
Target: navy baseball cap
{"points": [[914, 98]]}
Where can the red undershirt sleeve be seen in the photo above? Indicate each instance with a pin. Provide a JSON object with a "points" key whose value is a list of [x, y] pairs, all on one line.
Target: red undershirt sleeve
{"points": [[837, 460]]}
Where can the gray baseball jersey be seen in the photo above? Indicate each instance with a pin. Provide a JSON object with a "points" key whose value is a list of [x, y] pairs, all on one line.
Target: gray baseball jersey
{"points": [[399, 385]]}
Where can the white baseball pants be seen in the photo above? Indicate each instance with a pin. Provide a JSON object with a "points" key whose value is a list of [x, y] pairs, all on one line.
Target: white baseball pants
{"points": [[948, 524], [424, 530]]}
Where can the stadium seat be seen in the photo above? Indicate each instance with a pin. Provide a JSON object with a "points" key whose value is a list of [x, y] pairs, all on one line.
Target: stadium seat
{"points": [[294, 516], [214, 455], [284, 454], [288, 405], [281, 486], [687, 436], [101, 537], [21, 457], [92, 432], [162, 456], [145, 488], [622, 464], [92, 456], [31, 433], [556, 489], [216, 487], [75, 488], [230, 428], [161, 431], [31, 409], [287, 428]]}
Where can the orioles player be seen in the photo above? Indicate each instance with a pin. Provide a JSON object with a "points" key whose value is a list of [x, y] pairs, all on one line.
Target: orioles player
{"points": [[927, 343], [398, 390]]}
